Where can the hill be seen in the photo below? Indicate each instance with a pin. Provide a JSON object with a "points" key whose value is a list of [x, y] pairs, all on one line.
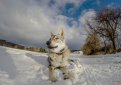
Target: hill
{"points": [[17, 46]]}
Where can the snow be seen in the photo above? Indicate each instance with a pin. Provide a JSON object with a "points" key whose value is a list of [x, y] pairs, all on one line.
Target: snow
{"points": [[19, 67]]}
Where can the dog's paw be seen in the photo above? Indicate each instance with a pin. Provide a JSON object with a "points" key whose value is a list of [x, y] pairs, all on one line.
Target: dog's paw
{"points": [[67, 76], [53, 79]]}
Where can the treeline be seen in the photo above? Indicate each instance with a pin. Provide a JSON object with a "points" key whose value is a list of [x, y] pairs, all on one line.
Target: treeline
{"points": [[13, 45], [104, 34]]}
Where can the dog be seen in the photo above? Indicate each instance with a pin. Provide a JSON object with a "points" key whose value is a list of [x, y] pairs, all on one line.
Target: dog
{"points": [[58, 56]]}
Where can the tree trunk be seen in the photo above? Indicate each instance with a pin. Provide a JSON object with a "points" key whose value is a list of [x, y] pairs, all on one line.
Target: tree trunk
{"points": [[105, 48], [114, 45]]}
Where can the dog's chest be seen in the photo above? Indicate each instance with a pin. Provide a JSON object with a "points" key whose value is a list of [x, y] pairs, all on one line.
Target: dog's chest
{"points": [[58, 60], [55, 57]]}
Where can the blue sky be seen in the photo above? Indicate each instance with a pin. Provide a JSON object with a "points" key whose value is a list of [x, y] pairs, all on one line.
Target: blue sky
{"points": [[29, 22], [88, 4]]}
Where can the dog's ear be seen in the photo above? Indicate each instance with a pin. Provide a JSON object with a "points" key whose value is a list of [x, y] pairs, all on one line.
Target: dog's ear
{"points": [[61, 32]]}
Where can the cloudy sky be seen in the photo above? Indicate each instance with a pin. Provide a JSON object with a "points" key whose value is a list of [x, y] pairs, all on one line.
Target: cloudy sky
{"points": [[29, 22]]}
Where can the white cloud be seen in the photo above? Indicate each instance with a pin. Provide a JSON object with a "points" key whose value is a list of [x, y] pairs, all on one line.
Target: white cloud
{"points": [[30, 22], [87, 15]]}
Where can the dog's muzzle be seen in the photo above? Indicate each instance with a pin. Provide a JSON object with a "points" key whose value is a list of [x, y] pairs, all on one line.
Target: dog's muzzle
{"points": [[50, 47], [48, 43]]}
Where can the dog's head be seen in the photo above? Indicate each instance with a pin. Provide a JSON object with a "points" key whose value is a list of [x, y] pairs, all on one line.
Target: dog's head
{"points": [[56, 42]]}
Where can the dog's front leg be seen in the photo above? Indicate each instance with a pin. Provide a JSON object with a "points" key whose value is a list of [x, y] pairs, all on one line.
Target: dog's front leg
{"points": [[66, 73], [52, 74]]}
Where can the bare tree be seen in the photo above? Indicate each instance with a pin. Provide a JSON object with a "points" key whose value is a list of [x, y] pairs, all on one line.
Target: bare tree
{"points": [[108, 22]]}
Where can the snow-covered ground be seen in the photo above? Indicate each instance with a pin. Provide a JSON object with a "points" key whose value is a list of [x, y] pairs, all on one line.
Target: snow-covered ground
{"points": [[18, 67]]}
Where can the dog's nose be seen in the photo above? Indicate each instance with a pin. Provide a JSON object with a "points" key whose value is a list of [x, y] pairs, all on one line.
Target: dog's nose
{"points": [[47, 42]]}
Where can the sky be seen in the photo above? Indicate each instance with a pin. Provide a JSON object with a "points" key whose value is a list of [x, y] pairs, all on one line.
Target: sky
{"points": [[29, 22]]}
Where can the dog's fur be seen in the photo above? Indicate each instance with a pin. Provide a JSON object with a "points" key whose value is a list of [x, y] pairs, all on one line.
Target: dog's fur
{"points": [[58, 56]]}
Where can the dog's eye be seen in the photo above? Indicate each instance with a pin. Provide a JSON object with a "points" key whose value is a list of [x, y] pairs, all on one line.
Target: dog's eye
{"points": [[56, 38]]}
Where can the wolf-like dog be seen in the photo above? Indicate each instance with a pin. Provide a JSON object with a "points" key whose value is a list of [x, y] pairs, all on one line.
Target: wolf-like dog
{"points": [[58, 56]]}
